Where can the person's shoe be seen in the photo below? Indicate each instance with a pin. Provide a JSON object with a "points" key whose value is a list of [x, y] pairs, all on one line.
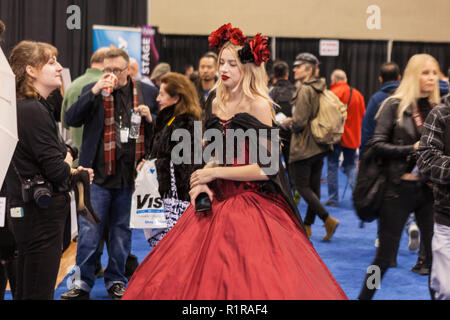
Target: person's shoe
{"points": [[414, 238], [330, 203], [308, 231], [116, 291], [330, 227], [421, 268], [75, 294]]}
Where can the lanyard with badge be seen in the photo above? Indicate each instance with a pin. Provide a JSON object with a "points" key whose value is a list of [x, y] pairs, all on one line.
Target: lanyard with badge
{"points": [[134, 130]]}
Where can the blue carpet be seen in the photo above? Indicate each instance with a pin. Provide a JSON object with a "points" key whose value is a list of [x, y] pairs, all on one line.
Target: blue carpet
{"points": [[351, 251], [347, 255]]}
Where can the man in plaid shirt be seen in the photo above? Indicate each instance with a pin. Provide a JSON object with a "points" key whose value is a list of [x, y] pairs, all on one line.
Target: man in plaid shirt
{"points": [[434, 164]]}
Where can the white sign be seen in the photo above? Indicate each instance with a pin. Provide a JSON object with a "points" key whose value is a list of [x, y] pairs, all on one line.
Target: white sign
{"points": [[329, 48], [2, 212]]}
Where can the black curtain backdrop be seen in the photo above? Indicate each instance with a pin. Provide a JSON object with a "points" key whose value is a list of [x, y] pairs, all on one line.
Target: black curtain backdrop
{"points": [[402, 51], [45, 20], [180, 50], [360, 59]]}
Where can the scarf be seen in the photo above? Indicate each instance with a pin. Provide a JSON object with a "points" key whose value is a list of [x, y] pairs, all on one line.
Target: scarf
{"points": [[109, 136]]}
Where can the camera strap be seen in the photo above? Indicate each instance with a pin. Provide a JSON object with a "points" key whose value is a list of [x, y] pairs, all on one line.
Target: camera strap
{"points": [[17, 172]]}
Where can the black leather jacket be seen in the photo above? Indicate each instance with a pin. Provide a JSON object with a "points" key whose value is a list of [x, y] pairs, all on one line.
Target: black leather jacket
{"points": [[394, 141]]}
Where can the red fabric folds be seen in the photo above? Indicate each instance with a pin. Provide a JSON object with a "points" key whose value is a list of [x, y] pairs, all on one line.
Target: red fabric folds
{"points": [[249, 247]]}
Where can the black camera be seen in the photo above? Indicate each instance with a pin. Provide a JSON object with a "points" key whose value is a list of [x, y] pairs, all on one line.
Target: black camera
{"points": [[202, 202], [37, 189]]}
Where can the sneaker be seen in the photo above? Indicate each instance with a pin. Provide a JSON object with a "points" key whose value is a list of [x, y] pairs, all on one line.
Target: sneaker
{"points": [[330, 226], [116, 291], [75, 294], [421, 268], [414, 238]]}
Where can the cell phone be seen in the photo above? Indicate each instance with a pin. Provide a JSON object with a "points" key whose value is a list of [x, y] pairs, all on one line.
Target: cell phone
{"points": [[202, 202]]}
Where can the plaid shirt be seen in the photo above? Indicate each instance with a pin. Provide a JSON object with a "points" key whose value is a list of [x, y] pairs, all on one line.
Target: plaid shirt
{"points": [[434, 159]]}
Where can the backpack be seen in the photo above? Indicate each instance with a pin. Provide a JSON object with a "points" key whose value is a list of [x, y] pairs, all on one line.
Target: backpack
{"points": [[370, 184], [328, 125]]}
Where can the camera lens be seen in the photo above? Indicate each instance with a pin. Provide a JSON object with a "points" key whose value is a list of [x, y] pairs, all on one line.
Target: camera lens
{"points": [[43, 197]]}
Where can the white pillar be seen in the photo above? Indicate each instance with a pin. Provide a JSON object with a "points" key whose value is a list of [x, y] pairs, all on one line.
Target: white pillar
{"points": [[389, 50]]}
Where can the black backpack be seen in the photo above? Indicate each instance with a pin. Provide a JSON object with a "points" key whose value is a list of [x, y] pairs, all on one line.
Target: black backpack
{"points": [[370, 185]]}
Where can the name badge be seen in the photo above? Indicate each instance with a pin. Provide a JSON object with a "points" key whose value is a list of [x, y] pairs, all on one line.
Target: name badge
{"points": [[124, 135], [16, 212]]}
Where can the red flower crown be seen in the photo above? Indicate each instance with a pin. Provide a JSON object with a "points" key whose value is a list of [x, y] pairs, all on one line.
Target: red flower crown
{"points": [[255, 50]]}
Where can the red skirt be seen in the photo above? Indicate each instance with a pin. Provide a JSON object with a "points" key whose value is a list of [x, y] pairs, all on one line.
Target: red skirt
{"points": [[248, 247]]}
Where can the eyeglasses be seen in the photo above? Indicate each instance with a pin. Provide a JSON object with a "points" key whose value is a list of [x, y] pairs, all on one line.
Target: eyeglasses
{"points": [[115, 71]]}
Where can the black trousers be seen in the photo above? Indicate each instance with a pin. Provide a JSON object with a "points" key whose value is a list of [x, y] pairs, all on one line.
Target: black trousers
{"points": [[305, 177], [400, 201], [39, 237]]}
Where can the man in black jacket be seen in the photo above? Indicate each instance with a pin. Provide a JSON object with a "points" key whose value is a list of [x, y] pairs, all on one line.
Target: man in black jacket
{"points": [[434, 164], [112, 153], [282, 92]]}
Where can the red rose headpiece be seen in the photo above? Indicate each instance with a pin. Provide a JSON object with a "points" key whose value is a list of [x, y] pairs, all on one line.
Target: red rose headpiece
{"points": [[255, 50]]}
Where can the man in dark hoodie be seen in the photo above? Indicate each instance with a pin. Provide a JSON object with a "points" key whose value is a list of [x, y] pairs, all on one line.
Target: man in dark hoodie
{"points": [[389, 79]]}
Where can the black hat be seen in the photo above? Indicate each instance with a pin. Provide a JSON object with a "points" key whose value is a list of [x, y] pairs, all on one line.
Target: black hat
{"points": [[306, 57]]}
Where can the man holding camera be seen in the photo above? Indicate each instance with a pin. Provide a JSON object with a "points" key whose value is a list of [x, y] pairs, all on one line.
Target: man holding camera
{"points": [[105, 108]]}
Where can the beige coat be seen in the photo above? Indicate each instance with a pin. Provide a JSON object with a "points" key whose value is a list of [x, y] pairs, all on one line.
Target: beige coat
{"points": [[306, 100]]}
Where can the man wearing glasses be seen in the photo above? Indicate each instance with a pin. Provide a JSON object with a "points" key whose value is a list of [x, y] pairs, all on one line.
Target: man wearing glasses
{"points": [[108, 148]]}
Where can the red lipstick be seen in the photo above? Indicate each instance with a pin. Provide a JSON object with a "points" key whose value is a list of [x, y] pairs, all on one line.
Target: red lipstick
{"points": [[224, 77]]}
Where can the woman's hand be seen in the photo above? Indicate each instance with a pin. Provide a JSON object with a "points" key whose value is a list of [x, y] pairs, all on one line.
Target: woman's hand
{"points": [[416, 145], [89, 170], [195, 191], [202, 176]]}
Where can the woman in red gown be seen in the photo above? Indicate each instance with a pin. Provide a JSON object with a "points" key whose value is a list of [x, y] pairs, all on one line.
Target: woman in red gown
{"points": [[251, 244]]}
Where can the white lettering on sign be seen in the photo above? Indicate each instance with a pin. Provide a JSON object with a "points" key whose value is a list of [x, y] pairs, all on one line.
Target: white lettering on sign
{"points": [[329, 48], [374, 20]]}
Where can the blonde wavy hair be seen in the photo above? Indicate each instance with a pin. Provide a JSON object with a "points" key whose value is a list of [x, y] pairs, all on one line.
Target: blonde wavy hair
{"points": [[408, 91], [253, 81]]}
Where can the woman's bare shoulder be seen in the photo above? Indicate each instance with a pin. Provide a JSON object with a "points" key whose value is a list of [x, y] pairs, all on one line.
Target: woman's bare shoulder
{"points": [[262, 110]]}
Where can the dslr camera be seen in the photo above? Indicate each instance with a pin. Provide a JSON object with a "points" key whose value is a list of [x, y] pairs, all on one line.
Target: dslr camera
{"points": [[39, 190]]}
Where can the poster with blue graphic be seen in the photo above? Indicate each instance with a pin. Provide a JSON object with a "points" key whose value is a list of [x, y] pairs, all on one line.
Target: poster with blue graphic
{"points": [[128, 39]]}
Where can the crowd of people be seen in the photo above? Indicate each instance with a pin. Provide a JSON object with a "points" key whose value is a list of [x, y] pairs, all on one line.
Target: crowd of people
{"points": [[252, 242]]}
